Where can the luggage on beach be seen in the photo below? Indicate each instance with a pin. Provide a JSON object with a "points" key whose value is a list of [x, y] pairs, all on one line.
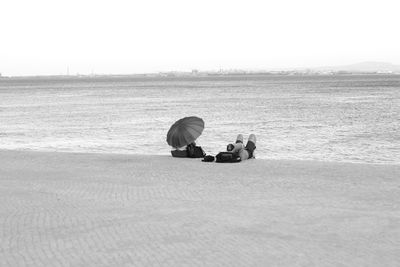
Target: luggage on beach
{"points": [[227, 157], [208, 158]]}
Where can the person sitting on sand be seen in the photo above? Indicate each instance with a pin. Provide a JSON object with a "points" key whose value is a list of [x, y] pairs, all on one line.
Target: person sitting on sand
{"points": [[244, 152], [188, 151]]}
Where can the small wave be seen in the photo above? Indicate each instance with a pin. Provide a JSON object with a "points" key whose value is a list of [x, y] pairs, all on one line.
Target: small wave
{"points": [[11, 134]]}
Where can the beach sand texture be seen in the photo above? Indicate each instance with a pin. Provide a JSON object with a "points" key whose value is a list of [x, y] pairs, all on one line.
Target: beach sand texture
{"points": [[71, 209]]}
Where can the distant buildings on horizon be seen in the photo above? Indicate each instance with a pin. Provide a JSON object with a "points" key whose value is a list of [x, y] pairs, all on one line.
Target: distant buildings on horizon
{"points": [[229, 72], [356, 69]]}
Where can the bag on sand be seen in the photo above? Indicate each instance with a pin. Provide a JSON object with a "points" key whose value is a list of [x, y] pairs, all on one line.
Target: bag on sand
{"points": [[227, 157], [208, 158], [195, 151]]}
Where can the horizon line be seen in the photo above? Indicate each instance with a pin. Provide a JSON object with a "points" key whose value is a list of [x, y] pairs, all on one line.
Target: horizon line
{"points": [[248, 70]]}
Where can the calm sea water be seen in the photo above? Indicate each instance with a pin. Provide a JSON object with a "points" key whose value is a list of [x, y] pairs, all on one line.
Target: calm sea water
{"points": [[326, 118]]}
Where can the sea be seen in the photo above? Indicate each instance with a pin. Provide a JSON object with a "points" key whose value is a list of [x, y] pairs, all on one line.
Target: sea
{"points": [[339, 118]]}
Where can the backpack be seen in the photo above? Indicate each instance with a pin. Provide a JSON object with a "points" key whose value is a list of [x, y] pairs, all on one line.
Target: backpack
{"points": [[227, 157], [194, 151]]}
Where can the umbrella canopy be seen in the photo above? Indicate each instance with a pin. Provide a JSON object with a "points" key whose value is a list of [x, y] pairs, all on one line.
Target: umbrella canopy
{"points": [[185, 131]]}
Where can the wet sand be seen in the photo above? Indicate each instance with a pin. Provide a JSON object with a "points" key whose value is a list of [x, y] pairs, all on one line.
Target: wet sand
{"points": [[72, 209]]}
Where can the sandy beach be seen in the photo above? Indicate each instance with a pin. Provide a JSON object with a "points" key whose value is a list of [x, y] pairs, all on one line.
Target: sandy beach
{"points": [[76, 209]]}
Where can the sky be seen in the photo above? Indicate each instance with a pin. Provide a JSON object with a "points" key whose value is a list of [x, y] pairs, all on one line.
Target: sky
{"points": [[51, 37]]}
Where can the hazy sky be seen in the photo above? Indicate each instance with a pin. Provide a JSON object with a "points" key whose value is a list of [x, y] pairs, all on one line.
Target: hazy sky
{"points": [[47, 37]]}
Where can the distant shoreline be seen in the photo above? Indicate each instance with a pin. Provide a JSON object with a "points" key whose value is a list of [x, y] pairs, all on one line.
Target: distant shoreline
{"points": [[173, 75]]}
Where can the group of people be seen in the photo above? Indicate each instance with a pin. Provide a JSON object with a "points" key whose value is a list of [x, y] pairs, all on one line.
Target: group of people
{"points": [[238, 148]]}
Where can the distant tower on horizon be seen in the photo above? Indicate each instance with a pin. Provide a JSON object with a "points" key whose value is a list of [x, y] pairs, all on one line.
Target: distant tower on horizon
{"points": [[67, 70]]}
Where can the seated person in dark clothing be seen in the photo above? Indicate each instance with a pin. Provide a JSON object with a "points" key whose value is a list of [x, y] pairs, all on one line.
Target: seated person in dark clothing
{"points": [[189, 151]]}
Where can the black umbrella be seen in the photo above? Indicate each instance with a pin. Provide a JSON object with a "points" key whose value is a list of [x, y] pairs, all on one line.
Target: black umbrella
{"points": [[185, 131]]}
